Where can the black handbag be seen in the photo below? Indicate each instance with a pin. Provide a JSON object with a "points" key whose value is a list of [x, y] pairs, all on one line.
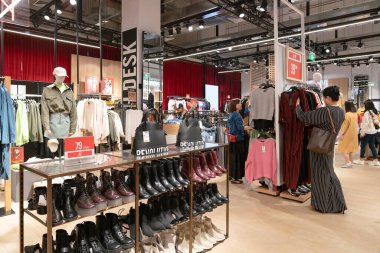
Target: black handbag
{"points": [[149, 136], [189, 133], [322, 141]]}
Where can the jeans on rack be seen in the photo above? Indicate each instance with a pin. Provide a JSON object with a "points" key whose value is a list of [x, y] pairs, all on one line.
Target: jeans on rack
{"points": [[370, 140]]}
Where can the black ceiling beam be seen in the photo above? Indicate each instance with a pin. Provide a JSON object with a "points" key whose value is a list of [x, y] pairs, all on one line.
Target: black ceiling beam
{"points": [[188, 18], [41, 11], [251, 16], [348, 40]]}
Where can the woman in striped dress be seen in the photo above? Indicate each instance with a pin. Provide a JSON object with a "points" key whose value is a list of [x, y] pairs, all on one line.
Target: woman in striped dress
{"points": [[326, 191]]}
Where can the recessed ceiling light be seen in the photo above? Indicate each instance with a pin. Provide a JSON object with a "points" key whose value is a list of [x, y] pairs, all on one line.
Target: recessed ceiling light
{"points": [[59, 11], [230, 48], [73, 2], [47, 17], [241, 15]]}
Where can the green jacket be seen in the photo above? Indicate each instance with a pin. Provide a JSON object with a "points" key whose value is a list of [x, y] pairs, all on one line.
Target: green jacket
{"points": [[53, 101]]}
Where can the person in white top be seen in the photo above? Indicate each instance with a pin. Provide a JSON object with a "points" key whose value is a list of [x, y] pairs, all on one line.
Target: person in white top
{"points": [[368, 131]]}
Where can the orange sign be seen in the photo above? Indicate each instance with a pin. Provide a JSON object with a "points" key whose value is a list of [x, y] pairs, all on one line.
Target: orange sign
{"points": [[17, 155], [77, 147], [294, 65]]}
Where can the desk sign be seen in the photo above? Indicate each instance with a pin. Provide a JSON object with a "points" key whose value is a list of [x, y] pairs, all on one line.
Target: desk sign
{"points": [[79, 147], [294, 64]]}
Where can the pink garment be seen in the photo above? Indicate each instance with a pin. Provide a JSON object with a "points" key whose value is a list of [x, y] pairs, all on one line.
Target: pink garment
{"points": [[261, 160]]}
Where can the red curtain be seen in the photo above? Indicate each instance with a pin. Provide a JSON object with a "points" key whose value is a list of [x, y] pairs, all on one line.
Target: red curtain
{"points": [[28, 58], [182, 78]]}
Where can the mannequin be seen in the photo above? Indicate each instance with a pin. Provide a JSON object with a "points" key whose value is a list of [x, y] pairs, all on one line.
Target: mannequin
{"points": [[151, 98], [317, 77], [58, 108]]}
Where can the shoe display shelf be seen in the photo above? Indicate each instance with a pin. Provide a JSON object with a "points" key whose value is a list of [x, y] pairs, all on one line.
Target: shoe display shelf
{"points": [[53, 169], [301, 198]]}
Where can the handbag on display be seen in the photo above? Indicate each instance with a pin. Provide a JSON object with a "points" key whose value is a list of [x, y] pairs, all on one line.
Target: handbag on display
{"points": [[322, 141], [149, 136], [189, 133]]}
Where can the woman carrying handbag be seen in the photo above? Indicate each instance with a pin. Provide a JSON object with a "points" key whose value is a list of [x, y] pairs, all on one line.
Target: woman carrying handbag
{"points": [[238, 152], [326, 190]]}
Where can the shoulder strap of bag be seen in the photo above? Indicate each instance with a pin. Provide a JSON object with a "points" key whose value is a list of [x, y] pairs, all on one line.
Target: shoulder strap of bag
{"points": [[331, 121]]}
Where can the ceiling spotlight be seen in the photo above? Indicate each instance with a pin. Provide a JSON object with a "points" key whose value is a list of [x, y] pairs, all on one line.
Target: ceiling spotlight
{"points": [[352, 65], [201, 24], [216, 65], [190, 28], [230, 48], [335, 63], [178, 29], [317, 69], [317, 64], [46, 17], [371, 58], [218, 51], [246, 72], [254, 61], [59, 11], [345, 46], [367, 64], [328, 50], [358, 64], [241, 13], [170, 31], [360, 44], [73, 2], [263, 6]]}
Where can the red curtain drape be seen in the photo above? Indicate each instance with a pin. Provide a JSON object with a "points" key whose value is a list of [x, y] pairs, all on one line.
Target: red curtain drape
{"points": [[182, 78], [29, 58]]}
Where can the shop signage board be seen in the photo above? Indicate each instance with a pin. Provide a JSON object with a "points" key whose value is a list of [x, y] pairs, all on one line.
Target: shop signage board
{"points": [[129, 62], [294, 65], [79, 147]]}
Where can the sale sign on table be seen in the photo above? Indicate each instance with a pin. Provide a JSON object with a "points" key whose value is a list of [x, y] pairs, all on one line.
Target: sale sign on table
{"points": [[294, 65], [79, 147]]}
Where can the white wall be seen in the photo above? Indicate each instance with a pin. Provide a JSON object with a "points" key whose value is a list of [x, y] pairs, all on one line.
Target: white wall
{"points": [[373, 72]]}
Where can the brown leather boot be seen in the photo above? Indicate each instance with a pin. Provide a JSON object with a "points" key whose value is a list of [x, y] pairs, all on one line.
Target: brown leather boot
{"points": [[112, 196], [96, 196], [84, 204], [118, 178]]}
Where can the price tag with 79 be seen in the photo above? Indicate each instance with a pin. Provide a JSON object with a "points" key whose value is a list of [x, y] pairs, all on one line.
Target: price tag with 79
{"points": [[79, 145]]}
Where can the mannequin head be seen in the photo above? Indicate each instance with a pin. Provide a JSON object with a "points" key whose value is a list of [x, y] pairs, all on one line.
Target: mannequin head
{"points": [[60, 74], [331, 95], [317, 77]]}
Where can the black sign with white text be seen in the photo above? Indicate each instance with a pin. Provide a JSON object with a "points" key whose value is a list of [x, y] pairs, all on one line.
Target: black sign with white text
{"points": [[129, 62]]}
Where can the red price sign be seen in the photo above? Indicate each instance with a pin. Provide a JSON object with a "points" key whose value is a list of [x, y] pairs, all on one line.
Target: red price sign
{"points": [[17, 155], [79, 147], [294, 65]]}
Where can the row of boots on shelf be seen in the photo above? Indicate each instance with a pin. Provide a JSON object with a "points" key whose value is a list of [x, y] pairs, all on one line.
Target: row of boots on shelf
{"points": [[106, 236], [88, 198], [171, 209]]}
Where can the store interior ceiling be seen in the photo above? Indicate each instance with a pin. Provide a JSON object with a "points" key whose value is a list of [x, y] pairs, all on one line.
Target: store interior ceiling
{"points": [[229, 34]]}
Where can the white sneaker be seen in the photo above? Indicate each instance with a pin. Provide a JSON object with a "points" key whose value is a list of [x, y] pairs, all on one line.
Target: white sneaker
{"points": [[360, 162], [374, 163], [347, 165]]}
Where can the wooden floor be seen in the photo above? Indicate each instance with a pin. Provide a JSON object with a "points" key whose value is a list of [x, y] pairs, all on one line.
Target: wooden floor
{"points": [[266, 224]]}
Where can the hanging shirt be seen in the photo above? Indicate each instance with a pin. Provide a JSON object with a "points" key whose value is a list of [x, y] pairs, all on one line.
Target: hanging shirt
{"points": [[7, 122], [261, 160], [22, 130], [262, 101]]}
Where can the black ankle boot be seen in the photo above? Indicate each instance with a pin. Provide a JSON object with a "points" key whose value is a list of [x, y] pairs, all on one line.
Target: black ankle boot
{"points": [[68, 209], [178, 175], [144, 221], [117, 232], [184, 207], [165, 207], [62, 242], [57, 216], [154, 179], [92, 237], [45, 244], [213, 198], [202, 202], [130, 219], [145, 181], [214, 188], [174, 209], [41, 200], [33, 248], [154, 220], [105, 235], [143, 194], [207, 199], [156, 205], [160, 168], [81, 244], [170, 174]]}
